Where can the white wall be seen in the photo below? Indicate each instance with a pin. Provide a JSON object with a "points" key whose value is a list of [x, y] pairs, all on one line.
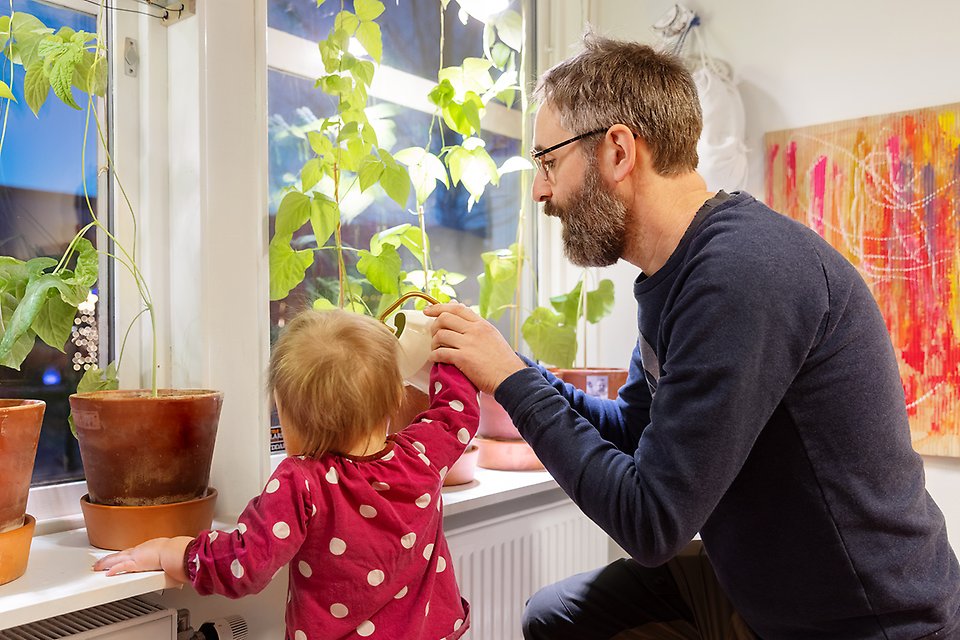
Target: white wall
{"points": [[803, 63]]}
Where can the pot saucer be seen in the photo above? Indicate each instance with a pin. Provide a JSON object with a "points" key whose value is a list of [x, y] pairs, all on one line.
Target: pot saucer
{"points": [[15, 550]]}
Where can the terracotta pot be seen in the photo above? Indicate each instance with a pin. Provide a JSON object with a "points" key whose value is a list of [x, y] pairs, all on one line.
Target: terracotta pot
{"points": [[20, 422], [464, 470], [117, 528], [507, 455], [15, 550], [414, 403], [495, 422], [143, 450], [602, 383]]}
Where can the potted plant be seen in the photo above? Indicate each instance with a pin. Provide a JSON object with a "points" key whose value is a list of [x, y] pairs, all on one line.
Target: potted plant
{"points": [[346, 159], [145, 452]]}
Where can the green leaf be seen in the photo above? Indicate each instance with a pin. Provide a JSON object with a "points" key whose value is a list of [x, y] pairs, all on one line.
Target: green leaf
{"points": [[287, 267], [368, 33], [500, 54], [405, 235], [550, 340], [345, 22], [29, 306], [568, 305], [311, 173], [368, 9], [425, 170], [322, 304], [442, 94], [371, 168], [97, 78], [61, 75], [510, 29], [5, 91], [294, 211], [499, 281], [474, 168], [88, 266], [395, 179], [36, 86], [600, 301], [54, 322], [363, 72], [97, 379], [28, 32], [324, 218], [383, 270], [23, 345]]}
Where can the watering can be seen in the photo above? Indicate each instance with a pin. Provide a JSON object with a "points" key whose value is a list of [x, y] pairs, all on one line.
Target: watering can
{"points": [[412, 329]]}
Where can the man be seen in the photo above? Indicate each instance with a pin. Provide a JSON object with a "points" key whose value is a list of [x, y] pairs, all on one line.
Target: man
{"points": [[764, 407]]}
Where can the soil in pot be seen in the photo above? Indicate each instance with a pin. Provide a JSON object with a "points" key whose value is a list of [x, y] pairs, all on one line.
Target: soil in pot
{"points": [[20, 422], [140, 450]]}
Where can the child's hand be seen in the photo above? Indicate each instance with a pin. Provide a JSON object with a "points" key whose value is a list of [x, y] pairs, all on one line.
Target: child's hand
{"points": [[153, 555]]}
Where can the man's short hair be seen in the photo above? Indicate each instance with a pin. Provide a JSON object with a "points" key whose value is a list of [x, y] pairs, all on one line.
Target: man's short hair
{"points": [[336, 376], [614, 82]]}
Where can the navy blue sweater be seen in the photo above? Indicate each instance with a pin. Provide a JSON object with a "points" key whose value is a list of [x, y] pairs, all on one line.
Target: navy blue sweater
{"points": [[764, 409]]}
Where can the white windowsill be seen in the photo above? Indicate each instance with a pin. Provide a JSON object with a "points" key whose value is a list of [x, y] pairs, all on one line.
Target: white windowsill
{"points": [[59, 577]]}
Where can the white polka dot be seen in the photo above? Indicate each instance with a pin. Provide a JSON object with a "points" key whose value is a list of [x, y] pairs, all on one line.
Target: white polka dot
{"points": [[196, 562], [419, 447], [306, 483], [463, 436], [423, 501], [289, 596], [299, 635], [437, 386], [366, 629], [242, 528], [213, 535], [409, 540], [426, 610], [425, 459], [380, 486], [338, 610], [313, 510], [441, 564], [456, 405], [236, 569], [457, 624], [332, 476], [428, 551], [281, 530], [388, 456], [400, 593], [337, 546], [305, 569], [375, 578], [273, 485], [443, 473], [367, 511], [427, 420]]}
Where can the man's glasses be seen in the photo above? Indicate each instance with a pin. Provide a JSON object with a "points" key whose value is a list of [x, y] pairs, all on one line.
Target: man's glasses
{"points": [[545, 167]]}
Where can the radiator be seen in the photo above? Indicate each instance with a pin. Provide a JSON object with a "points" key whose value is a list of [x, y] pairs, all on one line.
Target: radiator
{"points": [[499, 565], [130, 619]]}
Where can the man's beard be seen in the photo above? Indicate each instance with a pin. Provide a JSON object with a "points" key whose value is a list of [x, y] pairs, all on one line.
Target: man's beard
{"points": [[594, 223]]}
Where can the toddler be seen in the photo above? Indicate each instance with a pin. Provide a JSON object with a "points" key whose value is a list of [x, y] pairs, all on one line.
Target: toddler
{"points": [[355, 512]]}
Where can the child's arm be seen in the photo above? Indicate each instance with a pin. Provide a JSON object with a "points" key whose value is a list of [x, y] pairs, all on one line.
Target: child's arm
{"points": [[153, 555], [452, 418]]}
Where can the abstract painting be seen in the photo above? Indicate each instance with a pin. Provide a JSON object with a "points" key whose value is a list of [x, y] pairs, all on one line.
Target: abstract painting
{"points": [[885, 191]]}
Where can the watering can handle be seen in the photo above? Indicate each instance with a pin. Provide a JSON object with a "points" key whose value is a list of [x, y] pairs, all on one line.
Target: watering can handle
{"points": [[404, 298]]}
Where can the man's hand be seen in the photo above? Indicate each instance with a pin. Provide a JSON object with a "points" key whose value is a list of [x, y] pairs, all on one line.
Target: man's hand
{"points": [[464, 339], [153, 555]]}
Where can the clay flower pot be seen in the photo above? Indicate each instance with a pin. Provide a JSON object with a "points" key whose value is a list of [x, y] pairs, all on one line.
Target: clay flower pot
{"points": [[20, 422], [140, 450], [601, 383], [464, 470], [495, 422]]}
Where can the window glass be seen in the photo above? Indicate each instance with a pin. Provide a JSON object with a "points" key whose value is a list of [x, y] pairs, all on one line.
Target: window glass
{"points": [[42, 206]]}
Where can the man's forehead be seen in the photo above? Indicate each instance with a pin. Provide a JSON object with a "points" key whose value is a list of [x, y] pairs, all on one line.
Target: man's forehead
{"points": [[546, 127]]}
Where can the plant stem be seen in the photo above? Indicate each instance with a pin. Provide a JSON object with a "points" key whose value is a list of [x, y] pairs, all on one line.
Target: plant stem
{"points": [[6, 107]]}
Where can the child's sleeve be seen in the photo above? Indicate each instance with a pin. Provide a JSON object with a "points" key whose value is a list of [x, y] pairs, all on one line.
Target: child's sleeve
{"points": [[269, 532], [452, 419]]}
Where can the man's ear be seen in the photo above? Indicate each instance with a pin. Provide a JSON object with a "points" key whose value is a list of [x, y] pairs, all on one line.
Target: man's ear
{"points": [[621, 154]]}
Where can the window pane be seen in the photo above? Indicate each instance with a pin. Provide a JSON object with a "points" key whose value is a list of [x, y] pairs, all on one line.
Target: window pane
{"points": [[42, 206]]}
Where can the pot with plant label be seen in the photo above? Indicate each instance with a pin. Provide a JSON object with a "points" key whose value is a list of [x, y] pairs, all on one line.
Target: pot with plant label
{"points": [[147, 460], [20, 422]]}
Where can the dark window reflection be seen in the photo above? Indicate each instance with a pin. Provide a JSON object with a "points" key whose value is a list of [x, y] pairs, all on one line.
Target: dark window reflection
{"points": [[41, 208]]}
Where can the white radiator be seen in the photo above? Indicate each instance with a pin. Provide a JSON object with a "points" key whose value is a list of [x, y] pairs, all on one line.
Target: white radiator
{"points": [[501, 564], [130, 619]]}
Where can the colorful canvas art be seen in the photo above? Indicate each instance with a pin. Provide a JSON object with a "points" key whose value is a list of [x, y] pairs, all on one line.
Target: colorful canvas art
{"points": [[885, 191]]}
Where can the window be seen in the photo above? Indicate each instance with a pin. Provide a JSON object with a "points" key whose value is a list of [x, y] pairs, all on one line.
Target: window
{"points": [[398, 100], [42, 206]]}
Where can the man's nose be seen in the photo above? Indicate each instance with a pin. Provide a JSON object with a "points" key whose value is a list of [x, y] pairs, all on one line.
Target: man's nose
{"points": [[541, 190]]}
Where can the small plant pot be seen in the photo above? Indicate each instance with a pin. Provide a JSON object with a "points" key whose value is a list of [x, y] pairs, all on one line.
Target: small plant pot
{"points": [[507, 455], [20, 422], [464, 470], [15, 550], [495, 422], [600, 383], [141, 450], [118, 528]]}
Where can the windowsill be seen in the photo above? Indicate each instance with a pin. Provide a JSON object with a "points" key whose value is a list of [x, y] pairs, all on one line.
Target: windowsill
{"points": [[60, 579]]}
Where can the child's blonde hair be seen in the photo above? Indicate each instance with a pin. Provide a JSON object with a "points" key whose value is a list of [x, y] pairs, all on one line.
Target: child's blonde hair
{"points": [[336, 376]]}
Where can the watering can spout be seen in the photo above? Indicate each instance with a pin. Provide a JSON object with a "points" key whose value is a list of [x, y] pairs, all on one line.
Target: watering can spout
{"points": [[412, 329]]}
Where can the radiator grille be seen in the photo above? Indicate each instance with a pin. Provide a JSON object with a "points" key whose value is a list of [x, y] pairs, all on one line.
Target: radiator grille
{"points": [[92, 622], [500, 566]]}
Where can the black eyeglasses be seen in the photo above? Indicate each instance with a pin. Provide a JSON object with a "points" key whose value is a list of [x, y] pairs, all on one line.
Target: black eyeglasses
{"points": [[544, 167]]}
